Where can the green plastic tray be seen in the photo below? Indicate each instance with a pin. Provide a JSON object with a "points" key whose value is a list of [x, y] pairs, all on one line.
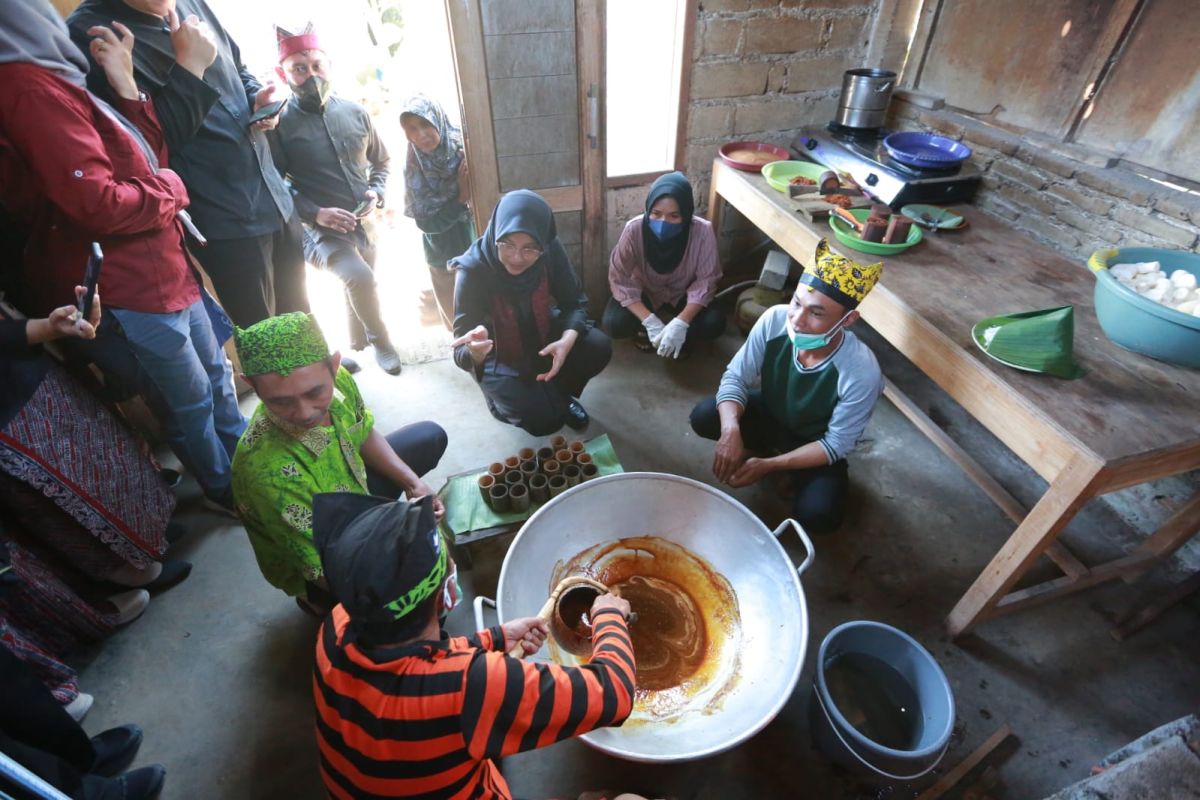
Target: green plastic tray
{"points": [[780, 173], [849, 237]]}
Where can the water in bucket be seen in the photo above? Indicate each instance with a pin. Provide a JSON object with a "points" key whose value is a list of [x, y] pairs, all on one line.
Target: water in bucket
{"points": [[875, 699]]}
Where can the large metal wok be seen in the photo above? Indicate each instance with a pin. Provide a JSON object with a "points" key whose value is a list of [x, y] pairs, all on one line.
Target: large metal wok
{"points": [[759, 678]]}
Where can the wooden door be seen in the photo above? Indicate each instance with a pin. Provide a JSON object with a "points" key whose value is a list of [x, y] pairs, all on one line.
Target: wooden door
{"points": [[529, 76]]}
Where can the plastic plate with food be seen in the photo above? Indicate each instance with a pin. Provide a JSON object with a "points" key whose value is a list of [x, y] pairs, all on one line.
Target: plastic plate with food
{"points": [[782, 174], [847, 235], [751, 156]]}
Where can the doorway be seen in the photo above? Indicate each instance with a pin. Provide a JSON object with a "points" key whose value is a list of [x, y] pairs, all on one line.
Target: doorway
{"points": [[382, 52]]}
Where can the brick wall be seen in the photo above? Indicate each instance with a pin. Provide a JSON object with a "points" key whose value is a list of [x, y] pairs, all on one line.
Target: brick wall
{"points": [[761, 70], [1061, 194]]}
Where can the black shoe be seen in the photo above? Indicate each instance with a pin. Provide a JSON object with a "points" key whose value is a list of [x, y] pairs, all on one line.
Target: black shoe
{"points": [[577, 417], [115, 749], [142, 784], [173, 572], [351, 365]]}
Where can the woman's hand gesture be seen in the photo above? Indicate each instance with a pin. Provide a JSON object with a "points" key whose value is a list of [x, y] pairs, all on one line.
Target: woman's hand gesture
{"points": [[478, 343]]}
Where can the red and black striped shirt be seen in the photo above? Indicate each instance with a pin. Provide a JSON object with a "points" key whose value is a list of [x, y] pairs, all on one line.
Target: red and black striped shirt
{"points": [[425, 719]]}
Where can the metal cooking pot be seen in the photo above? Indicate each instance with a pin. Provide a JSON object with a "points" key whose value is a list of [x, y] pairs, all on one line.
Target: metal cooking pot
{"points": [[866, 94], [756, 680]]}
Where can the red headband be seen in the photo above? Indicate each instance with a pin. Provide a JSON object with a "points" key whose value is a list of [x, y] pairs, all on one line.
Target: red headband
{"points": [[290, 45]]}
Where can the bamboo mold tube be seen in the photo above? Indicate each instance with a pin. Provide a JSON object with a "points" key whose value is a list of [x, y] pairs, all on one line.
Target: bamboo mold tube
{"points": [[486, 482], [499, 495]]}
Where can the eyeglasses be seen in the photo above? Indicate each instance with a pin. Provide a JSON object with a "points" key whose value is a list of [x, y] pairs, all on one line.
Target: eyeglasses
{"points": [[525, 252]]}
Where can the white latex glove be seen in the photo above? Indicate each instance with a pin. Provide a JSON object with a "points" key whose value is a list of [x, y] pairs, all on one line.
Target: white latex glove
{"points": [[654, 328], [671, 340]]}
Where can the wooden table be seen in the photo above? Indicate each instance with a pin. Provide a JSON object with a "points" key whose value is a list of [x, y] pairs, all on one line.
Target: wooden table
{"points": [[1129, 420]]}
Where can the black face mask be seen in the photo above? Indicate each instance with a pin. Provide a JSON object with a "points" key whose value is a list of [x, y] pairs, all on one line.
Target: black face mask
{"points": [[313, 93]]}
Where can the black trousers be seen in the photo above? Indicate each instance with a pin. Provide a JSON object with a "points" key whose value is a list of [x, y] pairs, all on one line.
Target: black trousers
{"points": [[540, 408], [37, 733], [620, 322], [354, 264], [421, 446], [819, 504], [258, 276]]}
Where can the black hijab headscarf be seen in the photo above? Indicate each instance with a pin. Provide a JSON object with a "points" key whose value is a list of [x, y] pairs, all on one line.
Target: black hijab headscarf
{"points": [[664, 257], [521, 211]]}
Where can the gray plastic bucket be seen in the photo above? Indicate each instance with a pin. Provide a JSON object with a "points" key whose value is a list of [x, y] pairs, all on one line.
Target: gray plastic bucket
{"points": [[843, 743]]}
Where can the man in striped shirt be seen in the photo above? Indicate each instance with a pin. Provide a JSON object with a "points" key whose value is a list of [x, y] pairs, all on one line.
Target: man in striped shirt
{"points": [[403, 710]]}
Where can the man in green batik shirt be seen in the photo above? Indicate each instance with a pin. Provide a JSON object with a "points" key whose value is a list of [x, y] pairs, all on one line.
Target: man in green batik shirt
{"points": [[312, 433]]}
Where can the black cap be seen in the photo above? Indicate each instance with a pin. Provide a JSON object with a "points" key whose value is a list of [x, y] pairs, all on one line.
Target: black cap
{"points": [[382, 557]]}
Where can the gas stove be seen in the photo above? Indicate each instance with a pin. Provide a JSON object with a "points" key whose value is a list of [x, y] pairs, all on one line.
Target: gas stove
{"points": [[860, 153]]}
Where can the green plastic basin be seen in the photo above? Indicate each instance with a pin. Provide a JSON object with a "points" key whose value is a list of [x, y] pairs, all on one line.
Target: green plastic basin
{"points": [[1144, 326]]}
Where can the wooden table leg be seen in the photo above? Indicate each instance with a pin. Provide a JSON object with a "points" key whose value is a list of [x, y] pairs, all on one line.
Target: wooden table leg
{"points": [[1067, 493], [716, 203]]}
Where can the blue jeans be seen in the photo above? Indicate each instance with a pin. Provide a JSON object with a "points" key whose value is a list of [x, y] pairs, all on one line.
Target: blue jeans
{"points": [[181, 355]]}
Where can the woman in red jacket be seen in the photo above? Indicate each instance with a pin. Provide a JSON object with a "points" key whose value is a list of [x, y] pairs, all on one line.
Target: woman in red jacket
{"points": [[77, 171]]}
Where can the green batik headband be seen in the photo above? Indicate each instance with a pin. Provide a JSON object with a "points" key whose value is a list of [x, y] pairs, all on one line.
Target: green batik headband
{"points": [[281, 344], [405, 603]]}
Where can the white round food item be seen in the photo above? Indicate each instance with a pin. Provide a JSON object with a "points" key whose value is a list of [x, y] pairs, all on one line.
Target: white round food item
{"points": [[1123, 272], [1183, 279], [1149, 266], [1155, 294], [1190, 307]]}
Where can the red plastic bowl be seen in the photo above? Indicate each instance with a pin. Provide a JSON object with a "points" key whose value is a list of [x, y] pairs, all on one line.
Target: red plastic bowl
{"points": [[778, 153]]}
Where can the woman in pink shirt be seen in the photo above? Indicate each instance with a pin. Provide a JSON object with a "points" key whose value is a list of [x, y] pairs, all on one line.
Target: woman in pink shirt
{"points": [[665, 266]]}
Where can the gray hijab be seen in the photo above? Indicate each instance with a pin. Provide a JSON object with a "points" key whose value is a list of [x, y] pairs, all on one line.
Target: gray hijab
{"points": [[32, 32]]}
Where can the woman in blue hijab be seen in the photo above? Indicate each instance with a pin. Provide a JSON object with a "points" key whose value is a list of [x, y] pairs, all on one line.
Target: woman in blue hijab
{"points": [[520, 318]]}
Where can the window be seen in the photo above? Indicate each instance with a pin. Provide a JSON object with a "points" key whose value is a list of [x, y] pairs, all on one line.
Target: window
{"points": [[644, 71]]}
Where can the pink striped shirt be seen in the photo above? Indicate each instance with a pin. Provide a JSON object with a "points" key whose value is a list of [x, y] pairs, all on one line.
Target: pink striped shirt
{"points": [[696, 276]]}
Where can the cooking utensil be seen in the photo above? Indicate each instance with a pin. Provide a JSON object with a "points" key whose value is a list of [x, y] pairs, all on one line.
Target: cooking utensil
{"points": [[926, 150], [866, 94], [755, 676], [847, 236], [548, 610]]}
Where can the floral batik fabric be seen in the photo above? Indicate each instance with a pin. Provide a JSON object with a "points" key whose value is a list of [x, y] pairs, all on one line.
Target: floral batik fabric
{"points": [[276, 471]]}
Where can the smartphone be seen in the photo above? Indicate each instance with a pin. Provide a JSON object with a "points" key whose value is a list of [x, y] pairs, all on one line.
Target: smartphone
{"points": [[364, 208], [91, 276], [267, 111]]}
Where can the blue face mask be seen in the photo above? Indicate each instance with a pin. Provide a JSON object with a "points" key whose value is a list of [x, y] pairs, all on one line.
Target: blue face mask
{"points": [[813, 341], [664, 230]]}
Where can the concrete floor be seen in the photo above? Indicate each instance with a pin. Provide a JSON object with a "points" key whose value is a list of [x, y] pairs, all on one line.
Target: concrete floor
{"points": [[218, 669]]}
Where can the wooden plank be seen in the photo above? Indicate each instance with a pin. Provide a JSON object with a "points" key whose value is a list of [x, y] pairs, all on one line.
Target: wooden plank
{"points": [[1046, 591], [1139, 617], [690, 10], [1066, 495], [960, 770], [1056, 552], [590, 57], [1151, 466], [535, 96], [563, 198], [1023, 62], [538, 172], [530, 136], [470, 67], [519, 55], [570, 227], [527, 16], [1175, 531], [1147, 109]]}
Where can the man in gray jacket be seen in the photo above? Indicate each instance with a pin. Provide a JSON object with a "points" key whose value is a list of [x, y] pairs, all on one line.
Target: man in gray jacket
{"points": [[338, 168]]}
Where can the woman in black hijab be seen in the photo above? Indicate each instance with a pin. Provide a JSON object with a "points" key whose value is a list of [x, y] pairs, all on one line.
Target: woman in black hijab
{"points": [[665, 265], [520, 318]]}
